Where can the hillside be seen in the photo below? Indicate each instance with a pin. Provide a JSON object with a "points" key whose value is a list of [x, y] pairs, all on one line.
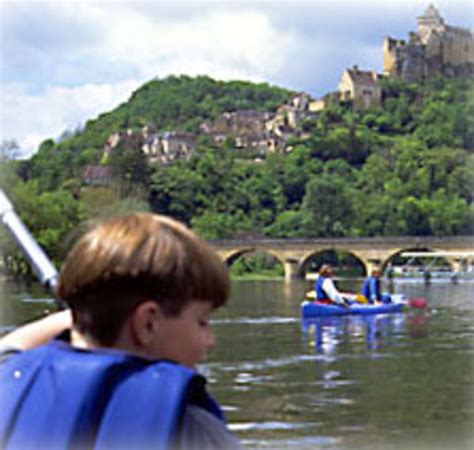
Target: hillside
{"points": [[403, 168], [175, 103]]}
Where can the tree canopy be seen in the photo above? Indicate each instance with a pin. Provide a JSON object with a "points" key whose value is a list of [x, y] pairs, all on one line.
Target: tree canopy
{"points": [[404, 168]]}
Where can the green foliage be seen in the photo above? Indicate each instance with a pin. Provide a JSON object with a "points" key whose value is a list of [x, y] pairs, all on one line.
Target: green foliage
{"points": [[102, 202], [328, 204], [213, 225], [257, 265], [174, 103], [289, 224], [129, 167], [405, 167], [52, 217]]}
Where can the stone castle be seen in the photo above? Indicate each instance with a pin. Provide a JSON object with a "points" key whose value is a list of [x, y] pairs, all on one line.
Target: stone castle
{"points": [[435, 49]]}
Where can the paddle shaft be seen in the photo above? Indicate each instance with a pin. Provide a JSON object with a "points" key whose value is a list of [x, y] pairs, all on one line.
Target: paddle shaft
{"points": [[40, 263]]}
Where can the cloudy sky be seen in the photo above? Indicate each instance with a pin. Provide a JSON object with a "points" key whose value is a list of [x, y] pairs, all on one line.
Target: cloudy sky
{"points": [[63, 62]]}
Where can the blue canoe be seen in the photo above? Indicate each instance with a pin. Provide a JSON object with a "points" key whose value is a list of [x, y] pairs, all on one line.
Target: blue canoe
{"points": [[315, 309]]}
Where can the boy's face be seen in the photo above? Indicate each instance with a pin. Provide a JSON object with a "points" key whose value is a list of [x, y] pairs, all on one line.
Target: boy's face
{"points": [[185, 338]]}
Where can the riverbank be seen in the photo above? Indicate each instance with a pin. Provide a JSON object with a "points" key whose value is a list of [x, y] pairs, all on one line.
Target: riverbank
{"points": [[257, 277]]}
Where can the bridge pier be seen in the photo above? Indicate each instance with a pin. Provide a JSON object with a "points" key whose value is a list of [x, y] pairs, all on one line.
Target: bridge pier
{"points": [[457, 267], [291, 267], [456, 264]]}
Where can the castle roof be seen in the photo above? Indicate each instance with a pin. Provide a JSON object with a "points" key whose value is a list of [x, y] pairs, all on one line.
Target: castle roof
{"points": [[431, 12], [431, 17], [364, 77]]}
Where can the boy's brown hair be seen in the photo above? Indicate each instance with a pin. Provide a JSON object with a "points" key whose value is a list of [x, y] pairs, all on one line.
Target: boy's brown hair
{"points": [[136, 257]]}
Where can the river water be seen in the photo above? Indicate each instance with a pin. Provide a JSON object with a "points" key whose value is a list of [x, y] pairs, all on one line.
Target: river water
{"points": [[400, 381]]}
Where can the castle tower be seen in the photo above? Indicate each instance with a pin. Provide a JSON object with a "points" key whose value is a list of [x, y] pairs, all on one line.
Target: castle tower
{"points": [[436, 48], [430, 21], [390, 56]]}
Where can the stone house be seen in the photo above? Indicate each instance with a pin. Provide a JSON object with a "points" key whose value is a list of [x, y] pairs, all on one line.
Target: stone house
{"points": [[246, 127], [289, 115], [361, 87], [168, 146], [322, 103]]}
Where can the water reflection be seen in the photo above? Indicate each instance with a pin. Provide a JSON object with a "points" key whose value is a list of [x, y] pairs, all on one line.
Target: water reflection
{"points": [[326, 334]]}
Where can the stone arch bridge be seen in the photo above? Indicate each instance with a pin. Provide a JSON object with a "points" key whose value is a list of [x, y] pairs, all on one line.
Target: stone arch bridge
{"points": [[295, 253]]}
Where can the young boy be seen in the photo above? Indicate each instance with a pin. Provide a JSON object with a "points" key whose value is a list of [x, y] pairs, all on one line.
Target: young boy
{"points": [[141, 289]]}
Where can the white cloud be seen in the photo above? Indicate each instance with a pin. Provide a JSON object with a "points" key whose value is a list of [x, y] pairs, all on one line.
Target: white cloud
{"points": [[222, 44], [32, 118], [241, 42], [64, 62]]}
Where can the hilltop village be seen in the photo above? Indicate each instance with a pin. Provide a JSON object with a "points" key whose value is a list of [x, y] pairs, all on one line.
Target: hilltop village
{"points": [[434, 49]]}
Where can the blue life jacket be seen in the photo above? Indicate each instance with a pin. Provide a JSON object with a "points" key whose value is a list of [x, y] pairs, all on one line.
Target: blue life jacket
{"points": [[57, 397], [318, 287], [371, 289]]}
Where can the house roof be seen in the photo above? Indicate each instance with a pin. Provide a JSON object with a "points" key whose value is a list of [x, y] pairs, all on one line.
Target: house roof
{"points": [[362, 76]]}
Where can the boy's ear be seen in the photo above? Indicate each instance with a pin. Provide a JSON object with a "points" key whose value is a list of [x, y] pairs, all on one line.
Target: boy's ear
{"points": [[145, 322]]}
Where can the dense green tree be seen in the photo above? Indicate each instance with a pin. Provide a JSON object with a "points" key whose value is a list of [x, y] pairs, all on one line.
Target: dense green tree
{"points": [[212, 225], [460, 182], [289, 224], [52, 218], [328, 203], [129, 167], [375, 173], [447, 215], [415, 216], [107, 201], [404, 167], [177, 192], [292, 172]]}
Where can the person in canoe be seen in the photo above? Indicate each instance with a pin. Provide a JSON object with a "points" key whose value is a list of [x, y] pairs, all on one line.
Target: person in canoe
{"points": [[371, 289], [141, 289], [325, 290]]}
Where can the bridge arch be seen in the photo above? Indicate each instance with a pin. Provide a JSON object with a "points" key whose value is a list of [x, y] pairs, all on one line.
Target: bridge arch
{"points": [[312, 254], [230, 257], [452, 262], [376, 251]]}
